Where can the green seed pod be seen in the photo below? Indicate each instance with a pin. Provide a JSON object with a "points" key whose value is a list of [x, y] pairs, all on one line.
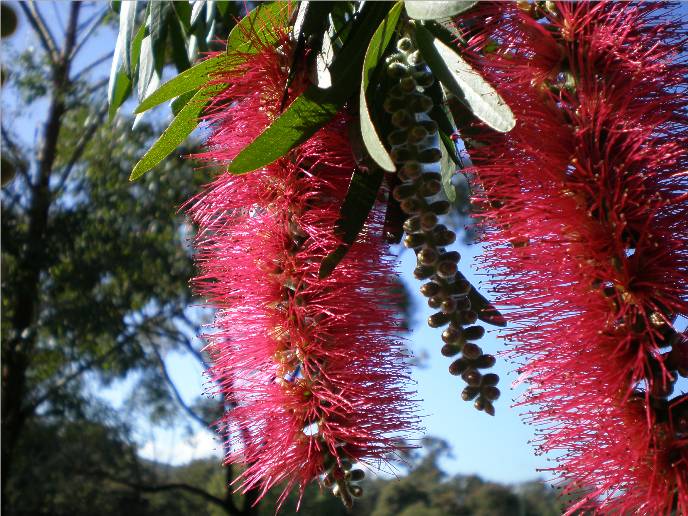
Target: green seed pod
{"points": [[397, 137], [468, 317], [450, 350], [449, 306], [419, 103], [411, 206], [427, 256], [392, 104], [422, 273], [453, 335], [430, 289], [445, 237], [430, 155], [405, 44], [424, 78], [471, 377], [490, 379], [417, 133], [460, 287], [402, 119], [457, 367], [356, 491], [414, 240], [407, 85], [412, 224], [397, 70], [490, 392], [403, 191], [355, 475], [469, 393], [430, 126], [428, 221], [471, 351], [435, 302], [411, 171], [440, 207], [430, 188], [438, 319], [446, 270], [484, 361], [474, 332], [401, 154]]}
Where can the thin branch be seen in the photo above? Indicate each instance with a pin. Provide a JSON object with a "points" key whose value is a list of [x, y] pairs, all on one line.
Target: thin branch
{"points": [[92, 65], [177, 395], [179, 486], [90, 31], [36, 21], [80, 147]]}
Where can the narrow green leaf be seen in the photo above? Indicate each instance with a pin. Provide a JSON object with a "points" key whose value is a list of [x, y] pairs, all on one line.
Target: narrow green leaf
{"points": [[359, 200], [302, 118], [316, 106], [127, 18], [376, 48], [178, 43], [180, 128], [119, 90], [136, 46], [189, 80], [432, 10], [447, 169], [196, 10], [265, 15], [181, 101], [464, 82], [183, 12]]}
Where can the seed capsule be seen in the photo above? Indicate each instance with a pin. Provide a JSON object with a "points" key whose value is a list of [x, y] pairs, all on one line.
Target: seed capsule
{"points": [[410, 171], [449, 306], [420, 103], [491, 392], [397, 70], [438, 319], [490, 379], [430, 127], [430, 155], [356, 491], [484, 361], [402, 119], [397, 137], [401, 154], [404, 44], [412, 224], [435, 302], [424, 79], [411, 206], [414, 240], [428, 221], [453, 335], [457, 367], [468, 317], [355, 475], [440, 207], [471, 351], [430, 289], [417, 134], [460, 287], [446, 270], [407, 84], [428, 256], [474, 332], [422, 273], [469, 393], [471, 377], [450, 350], [392, 104]]}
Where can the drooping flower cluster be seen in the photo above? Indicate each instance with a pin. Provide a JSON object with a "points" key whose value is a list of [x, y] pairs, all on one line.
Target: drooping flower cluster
{"points": [[312, 367], [585, 205]]}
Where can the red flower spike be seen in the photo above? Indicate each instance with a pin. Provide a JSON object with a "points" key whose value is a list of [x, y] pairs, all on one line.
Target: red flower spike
{"points": [[585, 211], [312, 367]]}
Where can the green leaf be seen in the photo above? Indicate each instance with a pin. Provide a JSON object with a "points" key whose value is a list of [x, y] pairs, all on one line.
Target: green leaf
{"points": [[119, 90], [376, 48], [181, 127], [181, 101], [178, 43], [316, 106], [127, 18], [196, 10], [189, 80], [432, 10], [136, 46], [183, 12], [464, 82], [255, 23], [359, 200], [447, 169]]}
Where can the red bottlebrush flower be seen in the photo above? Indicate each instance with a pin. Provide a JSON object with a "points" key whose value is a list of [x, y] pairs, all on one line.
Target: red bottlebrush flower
{"points": [[311, 365], [585, 207]]}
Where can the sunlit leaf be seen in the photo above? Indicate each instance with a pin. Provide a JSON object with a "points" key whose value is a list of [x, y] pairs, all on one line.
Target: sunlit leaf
{"points": [[376, 48], [432, 10], [464, 82]]}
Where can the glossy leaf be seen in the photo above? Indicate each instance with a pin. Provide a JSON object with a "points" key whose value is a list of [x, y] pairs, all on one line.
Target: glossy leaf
{"points": [[359, 200], [376, 48], [255, 23], [120, 87], [464, 82], [188, 80], [196, 10], [181, 127], [127, 19], [447, 170], [316, 106], [432, 10]]}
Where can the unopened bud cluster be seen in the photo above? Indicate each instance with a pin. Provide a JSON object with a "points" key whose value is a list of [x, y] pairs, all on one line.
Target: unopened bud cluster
{"points": [[415, 150], [343, 480]]}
